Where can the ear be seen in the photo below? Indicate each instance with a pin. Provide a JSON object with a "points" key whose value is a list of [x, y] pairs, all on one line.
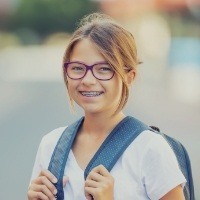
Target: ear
{"points": [[130, 76]]}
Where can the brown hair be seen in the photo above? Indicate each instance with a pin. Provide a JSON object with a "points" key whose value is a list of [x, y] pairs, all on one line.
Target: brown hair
{"points": [[116, 44]]}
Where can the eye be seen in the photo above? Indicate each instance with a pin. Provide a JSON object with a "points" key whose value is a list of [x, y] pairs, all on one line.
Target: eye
{"points": [[77, 68], [104, 68]]}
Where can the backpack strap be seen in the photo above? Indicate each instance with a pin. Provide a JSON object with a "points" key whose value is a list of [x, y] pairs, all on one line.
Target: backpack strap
{"points": [[116, 143], [183, 162], [127, 130], [60, 155]]}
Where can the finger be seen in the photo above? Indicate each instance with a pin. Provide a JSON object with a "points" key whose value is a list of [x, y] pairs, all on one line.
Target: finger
{"points": [[49, 175], [91, 183], [95, 176], [33, 195], [43, 180], [100, 169], [88, 193], [42, 189]]}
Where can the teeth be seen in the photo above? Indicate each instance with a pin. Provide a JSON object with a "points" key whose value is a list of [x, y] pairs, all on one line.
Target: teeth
{"points": [[91, 94]]}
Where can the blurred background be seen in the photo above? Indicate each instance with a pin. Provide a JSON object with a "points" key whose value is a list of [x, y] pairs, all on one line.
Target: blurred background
{"points": [[33, 101]]}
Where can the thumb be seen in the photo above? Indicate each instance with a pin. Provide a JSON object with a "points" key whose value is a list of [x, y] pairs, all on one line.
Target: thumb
{"points": [[65, 180]]}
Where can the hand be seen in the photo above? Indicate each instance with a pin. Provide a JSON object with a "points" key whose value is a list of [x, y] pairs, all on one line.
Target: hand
{"points": [[99, 184], [42, 188]]}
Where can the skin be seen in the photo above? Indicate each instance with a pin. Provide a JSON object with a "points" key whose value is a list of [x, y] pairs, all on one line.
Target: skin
{"points": [[99, 110], [175, 194], [42, 187], [99, 184], [85, 52]]}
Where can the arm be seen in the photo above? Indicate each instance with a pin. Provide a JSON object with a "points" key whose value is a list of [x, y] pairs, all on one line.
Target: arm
{"points": [[175, 194]]}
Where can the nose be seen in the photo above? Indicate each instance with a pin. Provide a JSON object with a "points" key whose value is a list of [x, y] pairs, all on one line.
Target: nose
{"points": [[89, 79]]}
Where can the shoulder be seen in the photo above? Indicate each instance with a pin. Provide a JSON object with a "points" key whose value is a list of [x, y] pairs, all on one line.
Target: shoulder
{"points": [[45, 150], [148, 140], [155, 144], [54, 134], [156, 162], [51, 138], [47, 145], [150, 146]]}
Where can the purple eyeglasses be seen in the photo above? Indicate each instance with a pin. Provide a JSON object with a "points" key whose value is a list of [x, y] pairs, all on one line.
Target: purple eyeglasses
{"points": [[77, 70]]}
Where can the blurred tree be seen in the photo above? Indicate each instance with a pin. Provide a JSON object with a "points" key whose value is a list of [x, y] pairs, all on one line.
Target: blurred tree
{"points": [[49, 16]]}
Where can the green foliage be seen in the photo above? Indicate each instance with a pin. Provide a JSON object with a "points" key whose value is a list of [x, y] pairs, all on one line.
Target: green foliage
{"points": [[49, 16]]}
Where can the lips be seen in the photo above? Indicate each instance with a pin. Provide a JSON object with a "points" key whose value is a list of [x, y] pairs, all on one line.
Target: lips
{"points": [[90, 93]]}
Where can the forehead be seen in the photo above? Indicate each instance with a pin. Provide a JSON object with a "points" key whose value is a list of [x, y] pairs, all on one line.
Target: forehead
{"points": [[85, 51]]}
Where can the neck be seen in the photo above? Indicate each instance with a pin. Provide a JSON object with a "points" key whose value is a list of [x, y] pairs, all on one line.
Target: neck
{"points": [[101, 124]]}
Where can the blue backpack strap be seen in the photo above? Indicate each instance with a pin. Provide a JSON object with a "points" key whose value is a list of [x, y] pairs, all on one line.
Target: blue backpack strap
{"points": [[183, 161], [116, 143], [184, 164], [60, 155], [127, 130]]}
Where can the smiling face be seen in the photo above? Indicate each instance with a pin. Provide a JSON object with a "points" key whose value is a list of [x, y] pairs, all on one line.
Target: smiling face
{"points": [[112, 43], [91, 94]]}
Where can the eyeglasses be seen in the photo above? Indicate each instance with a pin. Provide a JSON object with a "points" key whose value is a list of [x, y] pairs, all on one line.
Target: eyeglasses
{"points": [[77, 70]]}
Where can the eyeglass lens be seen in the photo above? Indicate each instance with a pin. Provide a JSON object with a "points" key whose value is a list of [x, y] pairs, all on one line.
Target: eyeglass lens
{"points": [[102, 71]]}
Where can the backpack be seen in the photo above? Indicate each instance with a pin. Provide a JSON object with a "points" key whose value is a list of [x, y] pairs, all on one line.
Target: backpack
{"points": [[127, 130]]}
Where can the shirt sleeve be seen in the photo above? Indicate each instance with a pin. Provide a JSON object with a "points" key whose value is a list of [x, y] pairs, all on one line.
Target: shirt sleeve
{"points": [[161, 172]]}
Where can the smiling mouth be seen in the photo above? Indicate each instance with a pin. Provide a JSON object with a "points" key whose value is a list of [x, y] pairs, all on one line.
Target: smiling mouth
{"points": [[91, 94]]}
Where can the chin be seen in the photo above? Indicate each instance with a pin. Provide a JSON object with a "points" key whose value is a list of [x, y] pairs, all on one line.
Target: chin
{"points": [[91, 110]]}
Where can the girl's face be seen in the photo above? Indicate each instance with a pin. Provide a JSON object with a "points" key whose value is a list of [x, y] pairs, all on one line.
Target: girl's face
{"points": [[93, 95]]}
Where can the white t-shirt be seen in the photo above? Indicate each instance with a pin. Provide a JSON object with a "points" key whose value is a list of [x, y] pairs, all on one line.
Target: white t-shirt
{"points": [[148, 168]]}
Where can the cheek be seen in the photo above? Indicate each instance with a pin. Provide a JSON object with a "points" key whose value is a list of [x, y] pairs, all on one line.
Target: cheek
{"points": [[116, 90], [119, 90], [118, 86], [71, 87]]}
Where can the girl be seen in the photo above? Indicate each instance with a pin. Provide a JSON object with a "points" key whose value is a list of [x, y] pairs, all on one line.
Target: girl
{"points": [[100, 64]]}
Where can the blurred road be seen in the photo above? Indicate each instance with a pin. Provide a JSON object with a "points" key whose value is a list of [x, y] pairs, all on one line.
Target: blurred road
{"points": [[31, 107]]}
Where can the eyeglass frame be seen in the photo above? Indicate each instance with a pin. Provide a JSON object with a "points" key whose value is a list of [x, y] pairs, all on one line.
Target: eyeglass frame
{"points": [[88, 67]]}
